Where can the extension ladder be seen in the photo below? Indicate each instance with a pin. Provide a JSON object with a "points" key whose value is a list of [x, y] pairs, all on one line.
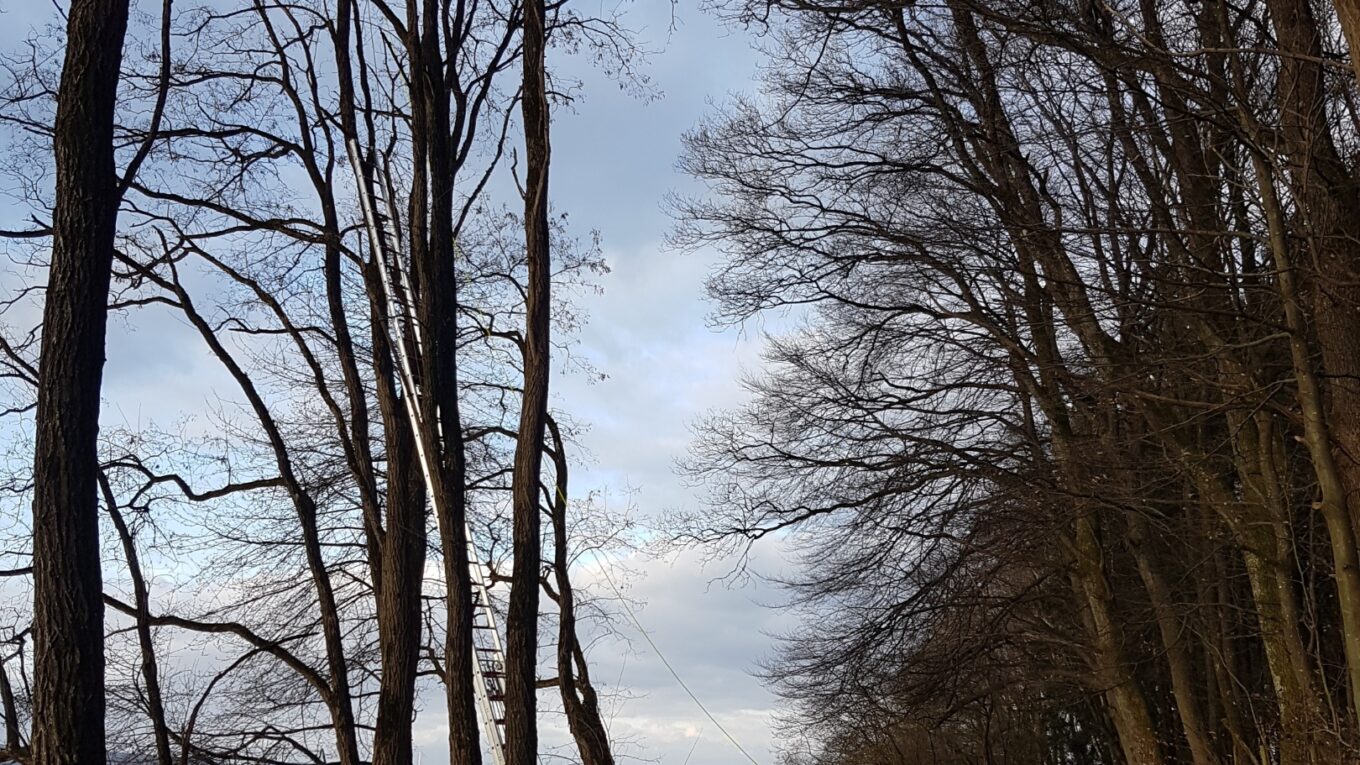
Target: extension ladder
{"points": [[380, 217]]}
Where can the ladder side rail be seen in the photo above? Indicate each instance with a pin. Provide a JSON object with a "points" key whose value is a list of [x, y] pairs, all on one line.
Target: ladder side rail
{"points": [[403, 277]]}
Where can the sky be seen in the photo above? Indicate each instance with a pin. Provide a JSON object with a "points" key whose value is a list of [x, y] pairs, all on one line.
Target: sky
{"points": [[614, 156]]}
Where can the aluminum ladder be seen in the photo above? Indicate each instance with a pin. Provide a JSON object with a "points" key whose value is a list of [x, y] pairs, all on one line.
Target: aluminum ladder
{"points": [[380, 216]]}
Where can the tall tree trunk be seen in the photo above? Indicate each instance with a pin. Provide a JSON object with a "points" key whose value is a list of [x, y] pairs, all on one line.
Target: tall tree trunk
{"points": [[1317, 436], [522, 617], [1178, 656], [1262, 534], [1329, 223], [14, 748], [432, 261], [399, 626], [403, 555], [579, 701], [1128, 705], [1219, 654], [68, 610], [397, 549]]}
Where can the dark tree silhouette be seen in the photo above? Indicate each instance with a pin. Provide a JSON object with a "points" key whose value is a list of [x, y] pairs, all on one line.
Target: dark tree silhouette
{"points": [[522, 616], [68, 611]]}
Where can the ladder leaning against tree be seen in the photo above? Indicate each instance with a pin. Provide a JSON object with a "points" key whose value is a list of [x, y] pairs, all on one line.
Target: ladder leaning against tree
{"points": [[380, 221]]}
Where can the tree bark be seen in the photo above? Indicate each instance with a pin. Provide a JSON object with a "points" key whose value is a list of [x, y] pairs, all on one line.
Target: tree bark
{"points": [[396, 549], [579, 701], [522, 616], [1317, 436], [1329, 223], [68, 610], [14, 748], [1178, 657], [432, 262], [403, 556]]}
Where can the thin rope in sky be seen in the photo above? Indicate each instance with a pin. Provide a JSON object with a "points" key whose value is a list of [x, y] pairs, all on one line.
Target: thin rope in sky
{"points": [[697, 739], [647, 636]]}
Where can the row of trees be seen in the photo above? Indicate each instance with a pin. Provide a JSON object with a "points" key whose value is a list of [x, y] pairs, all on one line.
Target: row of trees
{"points": [[309, 536], [1068, 435]]}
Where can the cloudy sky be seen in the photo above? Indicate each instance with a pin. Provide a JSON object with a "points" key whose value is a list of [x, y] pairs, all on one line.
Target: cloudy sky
{"points": [[614, 163]]}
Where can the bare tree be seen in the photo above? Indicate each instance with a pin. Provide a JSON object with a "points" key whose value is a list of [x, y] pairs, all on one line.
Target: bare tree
{"points": [[1069, 407]]}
